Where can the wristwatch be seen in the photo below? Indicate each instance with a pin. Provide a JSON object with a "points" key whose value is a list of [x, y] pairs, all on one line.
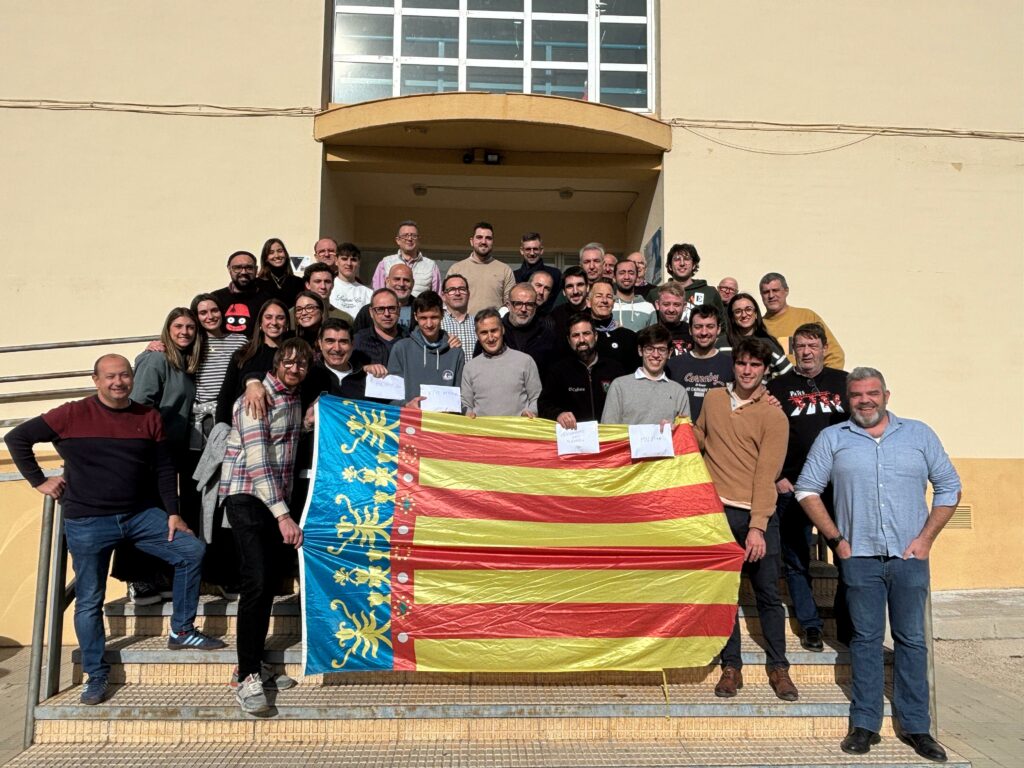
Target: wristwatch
{"points": [[834, 542]]}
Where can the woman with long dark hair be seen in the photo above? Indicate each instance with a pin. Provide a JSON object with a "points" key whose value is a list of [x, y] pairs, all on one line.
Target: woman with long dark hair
{"points": [[276, 272], [743, 320], [254, 359], [309, 316]]}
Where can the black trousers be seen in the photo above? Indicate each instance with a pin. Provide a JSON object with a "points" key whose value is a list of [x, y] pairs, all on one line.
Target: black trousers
{"points": [[259, 546], [764, 578]]}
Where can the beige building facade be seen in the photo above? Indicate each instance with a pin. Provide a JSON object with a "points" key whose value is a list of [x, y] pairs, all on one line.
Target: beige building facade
{"points": [[870, 152]]}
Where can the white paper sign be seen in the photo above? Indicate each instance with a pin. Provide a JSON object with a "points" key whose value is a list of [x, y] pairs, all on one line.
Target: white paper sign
{"points": [[650, 441], [583, 439], [388, 388], [440, 398]]}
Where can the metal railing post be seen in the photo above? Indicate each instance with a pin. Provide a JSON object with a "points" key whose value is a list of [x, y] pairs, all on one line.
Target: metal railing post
{"points": [[58, 605], [39, 619]]}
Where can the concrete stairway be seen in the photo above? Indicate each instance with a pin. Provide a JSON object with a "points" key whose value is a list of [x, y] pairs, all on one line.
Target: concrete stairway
{"points": [[175, 708]]}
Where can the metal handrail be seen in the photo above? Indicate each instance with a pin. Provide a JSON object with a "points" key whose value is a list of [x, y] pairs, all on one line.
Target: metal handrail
{"points": [[39, 620], [44, 376], [72, 344], [46, 394]]}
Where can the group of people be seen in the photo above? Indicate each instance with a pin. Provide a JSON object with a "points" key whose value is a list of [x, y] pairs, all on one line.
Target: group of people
{"points": [[221, 406]]}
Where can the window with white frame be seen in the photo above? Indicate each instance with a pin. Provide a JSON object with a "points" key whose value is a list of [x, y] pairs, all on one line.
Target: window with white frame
{"points": [[599, 50]]}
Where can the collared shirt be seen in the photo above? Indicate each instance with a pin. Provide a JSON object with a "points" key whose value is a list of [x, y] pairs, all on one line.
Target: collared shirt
{"points": [[260, 453], [879, 484], [425, 274], [640, 373], [464, 330]]}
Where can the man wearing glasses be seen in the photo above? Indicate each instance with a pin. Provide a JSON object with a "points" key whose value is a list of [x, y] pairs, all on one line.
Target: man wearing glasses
{"points": [[374, 344], [527, 331], [255, 482], [241, 299], [457, 321], [426, 275], [647, 396]]}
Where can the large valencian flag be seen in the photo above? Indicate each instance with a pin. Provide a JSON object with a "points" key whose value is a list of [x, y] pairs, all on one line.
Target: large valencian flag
{"points": [[434, 542]]}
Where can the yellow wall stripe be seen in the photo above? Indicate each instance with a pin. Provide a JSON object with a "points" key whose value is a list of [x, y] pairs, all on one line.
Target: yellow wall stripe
{"points": [[540, 654], [576, 586], [697, 531]]}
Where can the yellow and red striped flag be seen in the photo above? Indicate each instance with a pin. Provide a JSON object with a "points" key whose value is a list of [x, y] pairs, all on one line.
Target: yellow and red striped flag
{"points": [[441, 543]]}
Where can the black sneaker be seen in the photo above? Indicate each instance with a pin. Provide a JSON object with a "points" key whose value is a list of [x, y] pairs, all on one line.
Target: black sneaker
{"points": [[143, 593], [95, 691]]}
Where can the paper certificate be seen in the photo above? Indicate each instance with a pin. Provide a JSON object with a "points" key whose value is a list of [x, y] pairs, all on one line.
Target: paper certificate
{"points": [[583, 439], [388, 388], [441, 398], [650, 441]]}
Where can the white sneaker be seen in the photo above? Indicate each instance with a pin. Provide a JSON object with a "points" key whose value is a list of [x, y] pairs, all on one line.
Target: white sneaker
{"points": [[250, 696], [269, 678]]}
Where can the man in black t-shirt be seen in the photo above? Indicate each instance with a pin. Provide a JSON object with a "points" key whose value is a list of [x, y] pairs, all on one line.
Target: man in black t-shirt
{"points": [[703, 367], [813, 397], [240, 301]]}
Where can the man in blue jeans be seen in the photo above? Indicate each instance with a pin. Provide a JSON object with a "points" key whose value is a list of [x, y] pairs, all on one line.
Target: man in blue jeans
{"points": [[879, 465], [118, 484]]}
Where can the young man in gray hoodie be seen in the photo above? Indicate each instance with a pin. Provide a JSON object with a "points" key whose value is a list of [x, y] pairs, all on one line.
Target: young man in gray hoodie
{"points": [[429, 355]]}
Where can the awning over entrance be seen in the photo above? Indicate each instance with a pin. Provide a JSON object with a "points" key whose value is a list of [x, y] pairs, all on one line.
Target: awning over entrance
{"points": [[526, 135]]}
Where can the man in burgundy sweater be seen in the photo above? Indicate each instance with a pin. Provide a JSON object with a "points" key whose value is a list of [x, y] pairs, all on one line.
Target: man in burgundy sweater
{"points": [[118, 484]]}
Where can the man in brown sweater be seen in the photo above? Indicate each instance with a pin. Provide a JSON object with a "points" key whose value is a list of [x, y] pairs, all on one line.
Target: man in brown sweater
{"points": [[744, 439]]}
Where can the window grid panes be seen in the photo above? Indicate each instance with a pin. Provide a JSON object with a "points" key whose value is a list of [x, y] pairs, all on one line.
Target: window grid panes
{"points": [[601, 51]]}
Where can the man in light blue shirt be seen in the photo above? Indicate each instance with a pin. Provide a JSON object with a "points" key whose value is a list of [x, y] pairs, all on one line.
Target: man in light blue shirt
{"points": [[880, 465]]}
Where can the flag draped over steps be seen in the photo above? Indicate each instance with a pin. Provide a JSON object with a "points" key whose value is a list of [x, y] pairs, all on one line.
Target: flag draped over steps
{"points": [[434, 542]]}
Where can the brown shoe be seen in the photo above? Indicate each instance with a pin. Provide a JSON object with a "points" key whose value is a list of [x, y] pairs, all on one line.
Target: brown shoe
{"points": [[782, 684], [730, 682]]}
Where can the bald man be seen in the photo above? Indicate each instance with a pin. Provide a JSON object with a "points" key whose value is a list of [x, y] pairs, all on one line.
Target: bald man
{"points": [[116, 462]]}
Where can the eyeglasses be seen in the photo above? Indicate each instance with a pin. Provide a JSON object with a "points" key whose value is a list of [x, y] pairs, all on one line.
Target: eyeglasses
{"points": [[243, 268], [383, 310], [648, 350], [408, 237], [743, 311], [456, 290], [297, 365], [522, 304], [307, 309]]}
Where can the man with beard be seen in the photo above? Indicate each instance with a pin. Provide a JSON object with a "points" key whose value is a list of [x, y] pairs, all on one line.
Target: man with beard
{"points": [[500, 381], [400, 282], [426, 275], [575, 387], [491, 279], [374, 344], [545, 288], [703, 367], [573, 301], [743, 437], [525, 330], [880, 465], [241, 299], [813, 397], [631, 310], [670, 302], [532, 251], [683, 263], [592, 261], [612, 340]]}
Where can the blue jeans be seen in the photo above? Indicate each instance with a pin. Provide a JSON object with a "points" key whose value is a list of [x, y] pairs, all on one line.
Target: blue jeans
{"points": [[871, 583], [795, 531], [91, 540]]}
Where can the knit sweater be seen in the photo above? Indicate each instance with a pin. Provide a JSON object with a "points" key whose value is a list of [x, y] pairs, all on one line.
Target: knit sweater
{"points": [[636, 399], [505, 384], [489, 284], [744, 450], [782, 326]]}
